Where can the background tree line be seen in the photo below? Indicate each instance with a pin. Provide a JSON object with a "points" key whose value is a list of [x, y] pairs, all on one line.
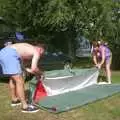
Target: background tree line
{"points": [[59, 21]]}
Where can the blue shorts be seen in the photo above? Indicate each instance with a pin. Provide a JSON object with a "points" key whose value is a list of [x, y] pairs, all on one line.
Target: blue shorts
{"points": [[10, 61]]}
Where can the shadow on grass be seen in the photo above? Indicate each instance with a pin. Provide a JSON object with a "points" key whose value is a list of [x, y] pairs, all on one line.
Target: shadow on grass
{"points": [[28, 96], [101, 78], [4, 79]]}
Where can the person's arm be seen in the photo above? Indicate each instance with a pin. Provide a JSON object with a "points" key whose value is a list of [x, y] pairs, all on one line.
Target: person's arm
{"points": [[35, 60], [103, 57], [95, 59], [34, 64]]}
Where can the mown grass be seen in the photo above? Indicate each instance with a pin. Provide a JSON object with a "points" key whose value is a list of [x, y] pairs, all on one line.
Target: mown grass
{"points": [[105, 109]]}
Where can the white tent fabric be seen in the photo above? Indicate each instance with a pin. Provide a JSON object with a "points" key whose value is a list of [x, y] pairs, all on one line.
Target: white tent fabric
{"points": [[60, 82]]}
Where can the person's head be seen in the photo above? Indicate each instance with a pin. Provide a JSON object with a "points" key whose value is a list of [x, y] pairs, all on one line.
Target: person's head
{"points": [[41, 48], [95, 45]]}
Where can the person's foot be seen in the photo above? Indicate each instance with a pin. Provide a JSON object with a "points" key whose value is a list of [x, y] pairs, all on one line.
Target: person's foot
{"points": [[15, 103], [102, 83], [109, 83], [30, 109]]}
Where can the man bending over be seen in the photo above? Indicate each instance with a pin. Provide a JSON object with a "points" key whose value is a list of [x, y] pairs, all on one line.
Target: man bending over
{"points": [[10, 61]]}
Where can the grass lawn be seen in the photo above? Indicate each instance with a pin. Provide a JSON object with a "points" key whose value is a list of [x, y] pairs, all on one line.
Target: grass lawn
{"points": [[105, 109]]}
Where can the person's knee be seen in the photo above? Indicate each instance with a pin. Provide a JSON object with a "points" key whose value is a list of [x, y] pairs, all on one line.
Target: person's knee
{"points": [[18, 79]]}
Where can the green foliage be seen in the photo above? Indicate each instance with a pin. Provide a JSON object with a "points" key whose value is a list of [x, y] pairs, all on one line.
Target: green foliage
{"points": [[50, 19], [87, 17]]}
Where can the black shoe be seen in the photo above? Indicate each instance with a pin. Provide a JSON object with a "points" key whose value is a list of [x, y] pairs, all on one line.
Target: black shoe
{"points": [[30, 109], [15, 103]]}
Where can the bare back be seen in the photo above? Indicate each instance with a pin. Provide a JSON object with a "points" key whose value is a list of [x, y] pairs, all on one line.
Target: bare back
{"points": [[29, 52], [25, 50]]}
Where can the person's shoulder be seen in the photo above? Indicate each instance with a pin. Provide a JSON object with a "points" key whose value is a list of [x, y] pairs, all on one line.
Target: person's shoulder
{"points": [[101, 46]]}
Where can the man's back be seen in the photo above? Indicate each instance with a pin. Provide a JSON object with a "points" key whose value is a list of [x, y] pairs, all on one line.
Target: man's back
{"points": [[25, 50]]}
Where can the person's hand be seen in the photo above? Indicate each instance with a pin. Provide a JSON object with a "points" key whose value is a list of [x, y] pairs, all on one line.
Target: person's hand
{"points": [[36, 71], [40, 77], [29, 70], [98, 66]]}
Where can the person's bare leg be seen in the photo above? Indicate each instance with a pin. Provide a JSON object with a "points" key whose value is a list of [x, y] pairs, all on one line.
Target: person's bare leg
{"points": [[108, 73], [12, 86], [20, 89]]}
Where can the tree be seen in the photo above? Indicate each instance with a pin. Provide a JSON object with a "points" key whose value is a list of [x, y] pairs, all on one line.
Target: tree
{"points": [[67, 18]]}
